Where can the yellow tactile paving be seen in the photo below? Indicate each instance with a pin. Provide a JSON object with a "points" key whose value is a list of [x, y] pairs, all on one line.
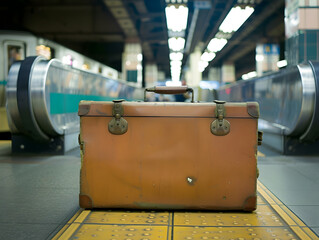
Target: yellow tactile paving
{"points": [[264, 216], [310, 233], [269, 196], [83, 215], [299, 228], [272, 220], [121, 232], [129, 217], [235, 233], [69, 231], [293, 216], [63, 230], [260, 200]]}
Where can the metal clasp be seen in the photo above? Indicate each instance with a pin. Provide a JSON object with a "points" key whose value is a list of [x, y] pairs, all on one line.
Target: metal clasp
{"points": [[260, 137], [220, 126], [118, 125]]}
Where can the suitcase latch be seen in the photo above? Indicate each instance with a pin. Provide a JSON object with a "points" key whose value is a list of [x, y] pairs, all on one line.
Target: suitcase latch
{"points": [[220, 126], [260, 137], [118, 125]]}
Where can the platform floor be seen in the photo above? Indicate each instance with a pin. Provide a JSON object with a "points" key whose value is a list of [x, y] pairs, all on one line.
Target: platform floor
{"points": [[271, 220], [39, 200]]}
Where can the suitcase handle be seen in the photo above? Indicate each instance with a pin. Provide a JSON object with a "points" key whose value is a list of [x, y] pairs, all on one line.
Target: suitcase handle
{"points": [[169, 90]]}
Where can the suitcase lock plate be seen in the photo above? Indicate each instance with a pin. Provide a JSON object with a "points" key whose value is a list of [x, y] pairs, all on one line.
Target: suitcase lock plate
{"points": [[118, 125], [220, 126]]}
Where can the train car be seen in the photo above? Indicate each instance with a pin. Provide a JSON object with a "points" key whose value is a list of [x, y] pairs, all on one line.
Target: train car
{"points": [[16, 46]]}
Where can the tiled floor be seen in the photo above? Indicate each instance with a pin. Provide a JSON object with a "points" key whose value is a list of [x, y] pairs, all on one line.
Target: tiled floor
{"points": [[39, 194], [295, 181]]}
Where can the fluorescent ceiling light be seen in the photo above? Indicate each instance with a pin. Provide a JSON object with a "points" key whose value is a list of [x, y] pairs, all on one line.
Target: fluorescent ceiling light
{"points": [[252, 74], [259, 57], [235, 18], [249, 75], [176, 73], [176, 44], [216, 44], [207, 56], [176, 63], [244, 76], [175, 83], [176, 17], [176, 56], [175, 68], [175, 78], [282, 63], [202, 65]]}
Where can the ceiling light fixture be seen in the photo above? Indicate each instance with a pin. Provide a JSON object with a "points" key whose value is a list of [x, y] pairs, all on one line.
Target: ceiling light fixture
{"points": [[282, 63], [235, 18], [176, 17], [202, 65], [176, 44], [208, 56], [249, 75], [176, 56], [216, 44]]}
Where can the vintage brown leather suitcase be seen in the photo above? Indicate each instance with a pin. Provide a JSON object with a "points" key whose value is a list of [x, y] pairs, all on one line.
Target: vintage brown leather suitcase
{"points": [[167, 155]]}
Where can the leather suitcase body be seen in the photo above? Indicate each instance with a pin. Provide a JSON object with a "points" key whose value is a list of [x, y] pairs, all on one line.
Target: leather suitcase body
{"points": [[163, 155]]}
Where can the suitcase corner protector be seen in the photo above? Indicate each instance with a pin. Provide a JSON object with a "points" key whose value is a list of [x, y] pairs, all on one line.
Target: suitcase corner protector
{"points": [[85, 201], [250, 203], [84, 108], [253, 109]]}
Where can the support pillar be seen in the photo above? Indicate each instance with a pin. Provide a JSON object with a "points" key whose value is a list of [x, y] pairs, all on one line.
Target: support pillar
{"points": [[214, 74], [267, 56], [151, 74], [195, 76], [302, 30], [132, 63], [161, 76], [228, 73]]}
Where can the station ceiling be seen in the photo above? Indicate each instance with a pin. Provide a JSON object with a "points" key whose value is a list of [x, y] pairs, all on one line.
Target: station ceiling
{"points": [[100, 28]]}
